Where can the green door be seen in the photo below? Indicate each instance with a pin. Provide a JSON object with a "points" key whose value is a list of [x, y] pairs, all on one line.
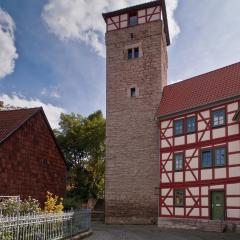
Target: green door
{"points": [[218, 205]]}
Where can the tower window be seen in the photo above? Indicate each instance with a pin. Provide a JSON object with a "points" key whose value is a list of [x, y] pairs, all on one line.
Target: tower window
{"points": [[133, 19], [136, 52], [133, 53], [130, 54], [133, 92]]}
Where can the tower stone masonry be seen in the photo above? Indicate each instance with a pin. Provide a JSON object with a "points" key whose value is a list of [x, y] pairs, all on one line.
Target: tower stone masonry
{"points": [[136, 43]]}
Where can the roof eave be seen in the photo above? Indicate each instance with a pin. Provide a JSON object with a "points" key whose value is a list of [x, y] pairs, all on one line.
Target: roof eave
{"points": [[197, 108]]}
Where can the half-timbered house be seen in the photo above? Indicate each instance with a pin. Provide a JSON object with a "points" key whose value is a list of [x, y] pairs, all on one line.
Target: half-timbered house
{"points": [[191, 171], [200, 148]]}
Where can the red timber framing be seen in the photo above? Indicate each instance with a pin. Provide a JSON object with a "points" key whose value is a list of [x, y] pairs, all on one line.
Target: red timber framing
{"points": [[144, 16], [197, 182]]}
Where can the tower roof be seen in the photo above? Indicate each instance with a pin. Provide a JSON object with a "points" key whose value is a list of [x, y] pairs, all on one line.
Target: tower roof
{"points": [[143, 6]]}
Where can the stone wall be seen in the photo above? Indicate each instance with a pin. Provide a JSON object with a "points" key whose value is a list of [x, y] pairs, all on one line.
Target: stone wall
{"points": [[31, 163], [132, 158]]}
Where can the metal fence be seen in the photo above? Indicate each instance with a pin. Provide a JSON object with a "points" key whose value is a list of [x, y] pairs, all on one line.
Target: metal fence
{"points": [[44, 226]]}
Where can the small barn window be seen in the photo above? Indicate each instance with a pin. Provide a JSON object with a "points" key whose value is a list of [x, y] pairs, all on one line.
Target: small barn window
{"points": [[178, 161], [179, 197], [206, 158], [218, 118], [133, 19]]}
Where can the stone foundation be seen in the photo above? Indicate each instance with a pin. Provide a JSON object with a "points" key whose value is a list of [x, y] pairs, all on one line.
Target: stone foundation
{"points": [[199, 224]]}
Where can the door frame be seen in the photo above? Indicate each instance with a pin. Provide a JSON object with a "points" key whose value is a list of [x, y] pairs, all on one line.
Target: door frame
{"points": [[210, 201]]}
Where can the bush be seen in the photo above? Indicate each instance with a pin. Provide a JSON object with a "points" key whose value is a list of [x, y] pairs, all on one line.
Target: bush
{"points": [[12, 205], [53, 204]]}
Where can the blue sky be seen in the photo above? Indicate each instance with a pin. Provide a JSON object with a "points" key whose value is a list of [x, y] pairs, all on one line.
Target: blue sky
{"points": [[56, 56]]}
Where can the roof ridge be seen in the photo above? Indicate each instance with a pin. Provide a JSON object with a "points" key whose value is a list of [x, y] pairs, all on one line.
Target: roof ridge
{"points": [[12, 110], [202, 74]]}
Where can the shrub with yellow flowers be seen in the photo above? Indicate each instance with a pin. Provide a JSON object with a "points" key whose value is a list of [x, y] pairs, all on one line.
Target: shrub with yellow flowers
{"points": [[53, 204]]}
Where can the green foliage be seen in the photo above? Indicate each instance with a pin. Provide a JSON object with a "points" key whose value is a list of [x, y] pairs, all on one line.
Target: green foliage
{"points": [[82, 140], [11, 206]]}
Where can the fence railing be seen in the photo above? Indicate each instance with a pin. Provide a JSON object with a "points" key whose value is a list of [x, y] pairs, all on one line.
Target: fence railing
{"points": [[44, 226]]}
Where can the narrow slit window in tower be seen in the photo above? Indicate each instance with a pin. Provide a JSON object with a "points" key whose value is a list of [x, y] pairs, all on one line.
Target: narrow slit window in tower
{"points": [[133, 92]]}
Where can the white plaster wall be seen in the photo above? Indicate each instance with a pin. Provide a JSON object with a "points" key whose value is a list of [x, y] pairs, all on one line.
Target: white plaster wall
{"points": [[189, 176], [142, 20], [169, 132], [179, 141], [230, 117], [206, 174], [155, 17], [166, 155], [233, 213], [195, 212], [220, 173], [205, 201], [164, 124], [206, 135], [191, 138], [164, 211], [205, 212], [169, 201], [179, 211], [189, 202], [218, 133], [124, 24], [194, 191], [233, 189], [234, 159], [234, 146], [233, 129], [124, 17], [232, 107], [204, 190], [234, 171], [165, 178], [169, 166], [141, 13], [233, 201], [205, 114], [165, 191], [201, 125], [194, 163], [189, 152], [178, 176]]}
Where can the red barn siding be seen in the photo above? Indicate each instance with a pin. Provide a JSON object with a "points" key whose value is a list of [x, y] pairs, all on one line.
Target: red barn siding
{"points": [[31, 163]]}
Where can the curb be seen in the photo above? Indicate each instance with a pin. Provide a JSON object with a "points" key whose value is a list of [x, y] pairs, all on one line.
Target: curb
{"points": [[82, 235]]}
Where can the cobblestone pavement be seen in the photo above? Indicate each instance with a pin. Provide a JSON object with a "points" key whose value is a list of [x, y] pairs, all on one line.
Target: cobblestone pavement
{"points": [[113, 232]]}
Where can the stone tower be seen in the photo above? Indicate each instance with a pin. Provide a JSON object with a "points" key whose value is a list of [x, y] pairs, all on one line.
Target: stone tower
{"points": [[136, 42]]}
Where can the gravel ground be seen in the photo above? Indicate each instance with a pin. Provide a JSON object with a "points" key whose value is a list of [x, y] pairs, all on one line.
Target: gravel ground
{"points": [[119, 232]]}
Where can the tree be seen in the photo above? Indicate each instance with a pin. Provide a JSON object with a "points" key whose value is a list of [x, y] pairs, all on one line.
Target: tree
{"points": [[82, 140]]}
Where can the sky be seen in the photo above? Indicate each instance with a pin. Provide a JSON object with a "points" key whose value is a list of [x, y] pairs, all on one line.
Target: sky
{"points": [[52, 52]]}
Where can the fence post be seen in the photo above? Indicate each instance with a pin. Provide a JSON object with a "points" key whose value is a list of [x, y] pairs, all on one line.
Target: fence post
{"points": [[18, 216]]}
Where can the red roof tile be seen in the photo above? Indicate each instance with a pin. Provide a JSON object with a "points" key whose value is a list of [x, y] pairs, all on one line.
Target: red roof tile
{"points": [[11, 120], [204, 89]]}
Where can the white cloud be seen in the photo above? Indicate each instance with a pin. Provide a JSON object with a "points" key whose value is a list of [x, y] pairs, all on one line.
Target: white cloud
{"points": [[51, 92], [52, 112], [81, 20], [8, 52]]}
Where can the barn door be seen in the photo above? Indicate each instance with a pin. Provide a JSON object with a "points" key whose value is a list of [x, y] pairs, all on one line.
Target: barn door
{"points": [[218, 205]]}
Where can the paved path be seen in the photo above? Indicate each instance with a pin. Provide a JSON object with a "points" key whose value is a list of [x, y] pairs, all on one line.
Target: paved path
{"points": [[112, 232]]}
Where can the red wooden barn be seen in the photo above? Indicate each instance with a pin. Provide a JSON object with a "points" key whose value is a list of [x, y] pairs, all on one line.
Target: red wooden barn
{"points": [[31, 162], [200, 148]]}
